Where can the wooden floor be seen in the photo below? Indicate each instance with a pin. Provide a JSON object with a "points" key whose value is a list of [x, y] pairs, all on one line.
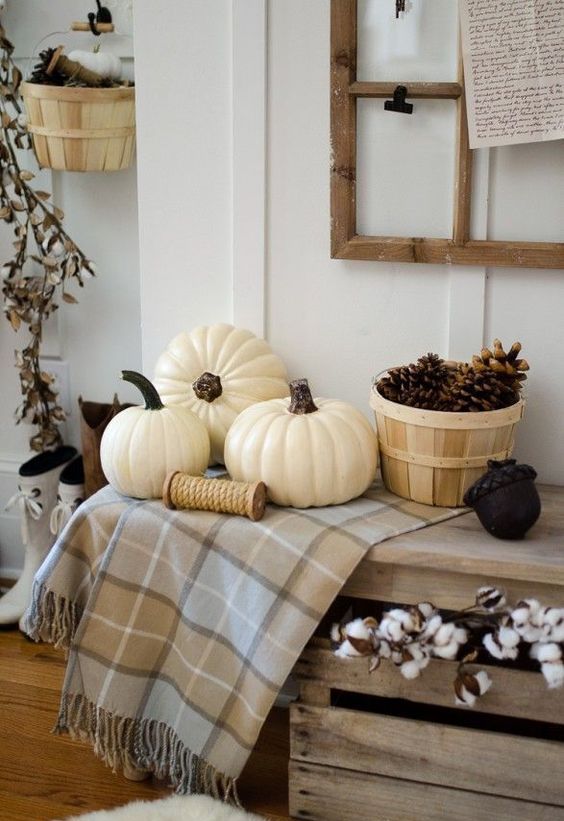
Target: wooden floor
{"points": [[45, 777]]}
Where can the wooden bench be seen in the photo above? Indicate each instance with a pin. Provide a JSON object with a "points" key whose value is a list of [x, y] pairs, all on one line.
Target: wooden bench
{"points": [[366, 747]]}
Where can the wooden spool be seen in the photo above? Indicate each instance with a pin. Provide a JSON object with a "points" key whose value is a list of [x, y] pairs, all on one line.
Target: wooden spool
{"points": [[182, 491], [81, 129], [434, 456]]}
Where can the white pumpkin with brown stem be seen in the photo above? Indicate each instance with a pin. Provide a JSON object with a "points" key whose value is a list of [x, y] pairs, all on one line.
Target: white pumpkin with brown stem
{"points": [[309, 452], [142, 445], [217, 371]]}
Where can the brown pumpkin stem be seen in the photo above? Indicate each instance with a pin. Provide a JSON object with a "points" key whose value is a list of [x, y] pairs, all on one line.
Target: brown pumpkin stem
{"points": [[301, 400], [207, 387], [150, 393]]}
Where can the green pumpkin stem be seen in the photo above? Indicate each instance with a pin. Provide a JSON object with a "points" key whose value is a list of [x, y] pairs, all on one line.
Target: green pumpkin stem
{"points": [[150, 393], [301, 400]]}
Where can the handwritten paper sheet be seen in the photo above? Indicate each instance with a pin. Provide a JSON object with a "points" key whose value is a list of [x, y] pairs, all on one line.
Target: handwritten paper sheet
{"points": [[513, 53]]}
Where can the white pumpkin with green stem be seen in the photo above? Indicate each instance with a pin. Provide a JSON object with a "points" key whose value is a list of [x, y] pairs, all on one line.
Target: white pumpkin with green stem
{"points": [[217, 371], [104, 64], [141, 445], [309, 452]]}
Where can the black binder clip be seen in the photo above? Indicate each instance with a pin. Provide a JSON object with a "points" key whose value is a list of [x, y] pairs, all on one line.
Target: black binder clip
{"points": [[103, 15], [398, 103]]}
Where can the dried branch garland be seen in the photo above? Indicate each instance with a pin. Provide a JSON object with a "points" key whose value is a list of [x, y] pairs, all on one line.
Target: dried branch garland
{"points": [[45, 260], [410, 637]]}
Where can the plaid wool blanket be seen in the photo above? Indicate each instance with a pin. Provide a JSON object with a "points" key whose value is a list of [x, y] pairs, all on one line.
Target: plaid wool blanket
{"points": [[183, 625]]}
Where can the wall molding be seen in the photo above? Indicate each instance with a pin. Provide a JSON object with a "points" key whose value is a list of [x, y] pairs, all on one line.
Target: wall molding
{"points": [[249, 103], [10, 462]]}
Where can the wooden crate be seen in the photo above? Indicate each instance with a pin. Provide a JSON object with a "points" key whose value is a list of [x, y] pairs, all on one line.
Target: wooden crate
{"points": [[377, 746]]}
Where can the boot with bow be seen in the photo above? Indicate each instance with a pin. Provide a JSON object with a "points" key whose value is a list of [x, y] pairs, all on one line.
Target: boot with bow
{"points": [[70, 495], [36, 498]]}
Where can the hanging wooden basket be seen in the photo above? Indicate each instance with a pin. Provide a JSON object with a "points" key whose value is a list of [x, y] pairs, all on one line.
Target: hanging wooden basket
{"points": [[434, 456], [81, 129]]}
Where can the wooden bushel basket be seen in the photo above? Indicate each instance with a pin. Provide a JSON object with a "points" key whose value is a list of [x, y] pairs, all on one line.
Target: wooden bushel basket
{"points": [[81, 129], [434, 456]]}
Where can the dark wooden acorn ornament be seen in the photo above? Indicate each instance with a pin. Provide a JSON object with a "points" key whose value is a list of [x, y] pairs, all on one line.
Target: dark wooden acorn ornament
{"points": [[505, 499]]}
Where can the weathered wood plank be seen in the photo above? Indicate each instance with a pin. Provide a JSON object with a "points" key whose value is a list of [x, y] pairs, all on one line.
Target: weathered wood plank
{"points": [[514, 693], [343, 123], [484, 762], [462, 546], [319, 793], [463, 170], [445, 251], [421, 91]]}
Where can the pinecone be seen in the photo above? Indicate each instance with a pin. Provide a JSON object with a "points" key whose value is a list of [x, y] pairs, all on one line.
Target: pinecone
{"points": [[421, 385], [39, 73], [478, 390], [506, 366]]}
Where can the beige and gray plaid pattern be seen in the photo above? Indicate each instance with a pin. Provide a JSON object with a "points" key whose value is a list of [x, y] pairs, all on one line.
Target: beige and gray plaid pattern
{"points": [[193, 620]]}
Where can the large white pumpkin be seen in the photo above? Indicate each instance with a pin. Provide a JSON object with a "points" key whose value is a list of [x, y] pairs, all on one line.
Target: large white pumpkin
{"points": [[217, 371], [142, 445], [309, 452]]}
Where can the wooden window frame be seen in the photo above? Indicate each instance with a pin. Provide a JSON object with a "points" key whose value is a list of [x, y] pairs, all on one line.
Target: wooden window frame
{"points": [[346, 243]]}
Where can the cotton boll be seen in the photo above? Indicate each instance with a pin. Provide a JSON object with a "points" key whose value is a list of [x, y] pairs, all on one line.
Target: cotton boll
{"points": [[508, 637], [490, 598], [347, 650], [460, 635], [553, 671], [391, 629], [531, 634], [410, 669], [357, 629], [492, 644], [404, 618], [432, 626], [397, 657], [549, 652], [447, 651], [466, 698], [554, 621], [484, 681], [426, 609], [444, 634], [384, 650]]}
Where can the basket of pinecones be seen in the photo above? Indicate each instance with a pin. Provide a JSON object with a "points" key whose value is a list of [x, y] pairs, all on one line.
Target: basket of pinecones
{"points": [[439, 422]]}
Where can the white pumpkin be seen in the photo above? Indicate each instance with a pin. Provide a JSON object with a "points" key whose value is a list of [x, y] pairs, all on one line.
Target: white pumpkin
{"points": [[217, 371], [141, 446], [104, 64], [309, 452]]}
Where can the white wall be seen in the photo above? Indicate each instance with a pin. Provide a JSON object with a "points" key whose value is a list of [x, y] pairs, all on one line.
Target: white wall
{"points": [[102, 334], [183, 72], [336, 322], [361, 317]]}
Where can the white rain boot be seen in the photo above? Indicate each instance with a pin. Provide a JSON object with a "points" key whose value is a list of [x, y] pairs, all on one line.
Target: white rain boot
{"points": [[69, 496], [36, 496]]}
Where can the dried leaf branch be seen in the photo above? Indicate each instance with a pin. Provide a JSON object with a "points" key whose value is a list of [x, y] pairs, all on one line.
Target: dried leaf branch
{"points": [[410, 637], [45, 259]]}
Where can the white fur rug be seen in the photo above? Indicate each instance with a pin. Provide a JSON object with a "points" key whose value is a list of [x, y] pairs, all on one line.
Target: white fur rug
{"points": [[175, 808]]}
